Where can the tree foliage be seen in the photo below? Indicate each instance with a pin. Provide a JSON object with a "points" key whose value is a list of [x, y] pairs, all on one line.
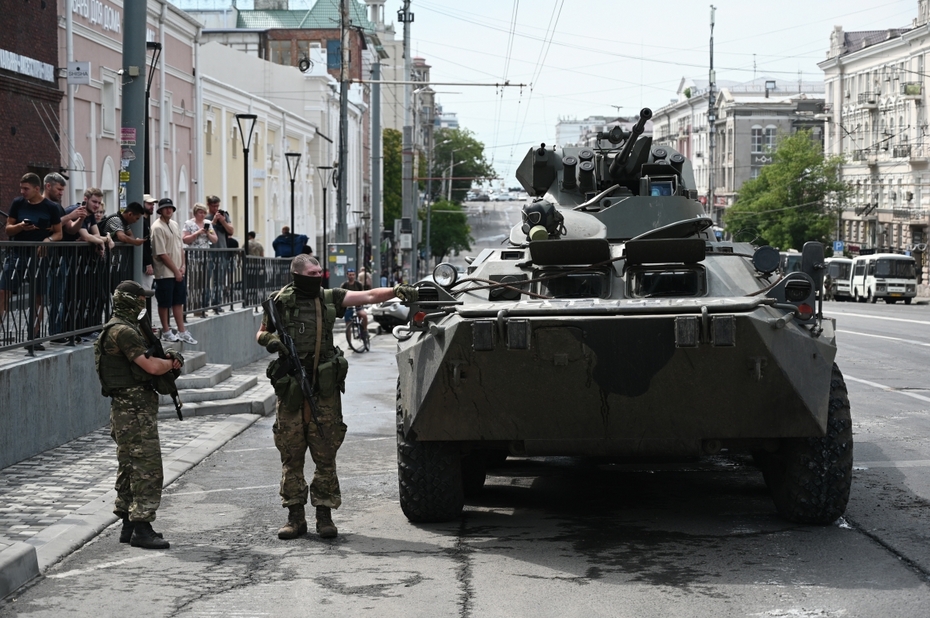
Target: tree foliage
{"points": [[795, 199], [449, 229], [393, 177], [457, 147]]}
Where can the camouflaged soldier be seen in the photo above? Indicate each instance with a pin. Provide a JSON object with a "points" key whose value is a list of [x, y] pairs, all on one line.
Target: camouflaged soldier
{"points": [[126, 375], [300, 305]]}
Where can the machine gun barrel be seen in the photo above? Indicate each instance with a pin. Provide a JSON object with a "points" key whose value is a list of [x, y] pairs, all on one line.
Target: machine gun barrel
{"points": [[620, 160], [297, 368]]}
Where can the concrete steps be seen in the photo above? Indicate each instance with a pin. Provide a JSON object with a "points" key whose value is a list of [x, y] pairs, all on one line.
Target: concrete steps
{"points": [[208, 388]]}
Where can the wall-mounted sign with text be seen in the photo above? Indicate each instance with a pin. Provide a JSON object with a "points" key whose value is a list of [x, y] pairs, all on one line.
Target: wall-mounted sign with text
{"points": [[78, 73]]}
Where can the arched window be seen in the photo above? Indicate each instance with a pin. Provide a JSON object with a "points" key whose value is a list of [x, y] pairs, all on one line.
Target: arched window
{"points": [[757, 133], [770, 132]]}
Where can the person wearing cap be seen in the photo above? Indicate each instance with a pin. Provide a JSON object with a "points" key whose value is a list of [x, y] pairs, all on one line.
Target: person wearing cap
{"points": [[126, 372], [169, 265]]}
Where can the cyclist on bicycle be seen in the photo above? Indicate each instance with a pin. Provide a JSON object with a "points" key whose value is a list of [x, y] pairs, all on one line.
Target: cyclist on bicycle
{"points": [[355, 285]]}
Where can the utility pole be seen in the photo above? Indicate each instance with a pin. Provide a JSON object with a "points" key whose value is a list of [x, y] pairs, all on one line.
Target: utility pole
{"points": [[377, 169], [711, 121], [408, 212], [342, 233], [133, 112]]}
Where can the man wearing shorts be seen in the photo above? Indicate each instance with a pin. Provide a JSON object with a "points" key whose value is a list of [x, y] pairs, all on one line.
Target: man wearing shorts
{"points": [[168, 263]]}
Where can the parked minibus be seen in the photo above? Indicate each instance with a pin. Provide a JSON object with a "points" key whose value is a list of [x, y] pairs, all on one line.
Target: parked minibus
{"points": [[889, 276]]}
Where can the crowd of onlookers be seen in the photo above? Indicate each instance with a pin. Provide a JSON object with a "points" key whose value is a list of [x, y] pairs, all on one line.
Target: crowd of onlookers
{"points": [[71, 283]]}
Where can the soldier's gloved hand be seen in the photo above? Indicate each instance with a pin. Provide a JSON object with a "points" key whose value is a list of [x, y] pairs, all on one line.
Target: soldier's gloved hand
{"points": [[174, 355], [406, 293], [273, 343]]}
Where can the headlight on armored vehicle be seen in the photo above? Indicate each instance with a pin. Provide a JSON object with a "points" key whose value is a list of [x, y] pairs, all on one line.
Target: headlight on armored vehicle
{"points": [[797, 290], [445, 274]]}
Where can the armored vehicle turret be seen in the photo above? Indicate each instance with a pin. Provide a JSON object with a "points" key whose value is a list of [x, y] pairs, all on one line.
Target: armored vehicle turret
{"points": [[615, 323]]}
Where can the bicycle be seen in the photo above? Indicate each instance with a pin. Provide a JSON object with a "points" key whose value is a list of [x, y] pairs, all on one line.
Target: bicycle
{"points": [[356, 336]]}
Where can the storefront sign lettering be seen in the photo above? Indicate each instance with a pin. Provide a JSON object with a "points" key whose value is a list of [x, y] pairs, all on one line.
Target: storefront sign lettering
{"points": [[25, 65], [97, 13]]}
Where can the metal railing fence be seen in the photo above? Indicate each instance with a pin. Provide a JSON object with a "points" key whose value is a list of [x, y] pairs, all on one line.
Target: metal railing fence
{"points": [[63, 291]]}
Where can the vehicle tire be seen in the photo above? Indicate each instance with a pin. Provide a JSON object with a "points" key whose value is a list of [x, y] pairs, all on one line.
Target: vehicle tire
{"points": [[474, 473], [871, 298], [907, 301], [353, 337], [856, 297], [429, 476], [810, 478], [890, 301]]}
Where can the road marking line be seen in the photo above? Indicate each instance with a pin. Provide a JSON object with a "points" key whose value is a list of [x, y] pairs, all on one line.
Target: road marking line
{"points": [[105, 565], [879, 317], [852, 332], [916, 463], [889, 389]]}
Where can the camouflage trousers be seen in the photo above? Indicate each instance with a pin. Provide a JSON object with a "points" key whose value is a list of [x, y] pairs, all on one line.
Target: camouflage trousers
{"points": [[293, 438], [139, 477]]}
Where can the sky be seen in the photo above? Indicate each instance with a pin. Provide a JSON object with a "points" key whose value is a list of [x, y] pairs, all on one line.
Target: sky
{"points": [[579, 58]]}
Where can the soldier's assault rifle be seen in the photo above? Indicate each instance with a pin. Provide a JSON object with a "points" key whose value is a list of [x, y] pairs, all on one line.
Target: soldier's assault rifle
{"points": [[166, 382], [293, 366]]}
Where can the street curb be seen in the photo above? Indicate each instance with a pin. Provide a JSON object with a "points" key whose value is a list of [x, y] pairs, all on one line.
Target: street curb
{"points": [[21, 562]]}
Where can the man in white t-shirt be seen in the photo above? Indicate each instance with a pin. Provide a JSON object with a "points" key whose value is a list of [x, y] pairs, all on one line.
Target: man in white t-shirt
{"points": [[169, 266]]}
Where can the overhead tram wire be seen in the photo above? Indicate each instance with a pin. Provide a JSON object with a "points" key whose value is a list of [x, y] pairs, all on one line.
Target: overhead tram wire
{"points": [[541, 62], [500, 102]]}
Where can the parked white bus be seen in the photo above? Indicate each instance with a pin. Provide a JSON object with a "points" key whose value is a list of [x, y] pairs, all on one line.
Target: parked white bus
{"points": [[840, 271], [889, 276]]}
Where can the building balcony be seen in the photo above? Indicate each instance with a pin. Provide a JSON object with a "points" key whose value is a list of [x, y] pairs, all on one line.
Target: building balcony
{"points": [[868, 100], [869, 156], [901, 152]]}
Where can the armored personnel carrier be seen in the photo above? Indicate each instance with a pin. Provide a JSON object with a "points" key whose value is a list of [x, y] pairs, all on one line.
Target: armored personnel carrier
{"points": [[614, 323]]}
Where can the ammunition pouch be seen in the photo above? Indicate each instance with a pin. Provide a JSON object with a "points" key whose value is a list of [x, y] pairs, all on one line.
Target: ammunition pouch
{"points": [[286, 386], [331, 375]]}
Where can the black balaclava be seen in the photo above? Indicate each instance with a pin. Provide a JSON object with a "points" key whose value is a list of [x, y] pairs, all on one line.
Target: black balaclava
{"points": [[307, 286]]}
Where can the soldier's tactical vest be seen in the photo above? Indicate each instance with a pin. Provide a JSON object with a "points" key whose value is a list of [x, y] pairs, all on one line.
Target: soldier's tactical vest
{"points": [[299, 316], [116, 371]]}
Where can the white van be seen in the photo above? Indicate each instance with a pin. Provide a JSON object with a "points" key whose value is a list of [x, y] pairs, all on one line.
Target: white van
{"points": [[884, 275], [840, 271], [790, 261]]}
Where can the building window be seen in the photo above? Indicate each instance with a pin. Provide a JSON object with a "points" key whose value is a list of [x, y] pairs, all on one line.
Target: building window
{"points": [[333, 54], [757, 139], [279, 52], [769, 141], [755, 172], [108, 107], [235, 143], [208, 142]]}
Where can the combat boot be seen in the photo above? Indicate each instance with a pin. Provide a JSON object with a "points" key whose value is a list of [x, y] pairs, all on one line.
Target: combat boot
{"points": [[143, 536], [324, 522], [125, 535], [296, 523]]}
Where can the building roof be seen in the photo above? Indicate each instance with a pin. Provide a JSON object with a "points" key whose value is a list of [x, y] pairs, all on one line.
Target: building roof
{"points": [[854, 41], [323, 16]]}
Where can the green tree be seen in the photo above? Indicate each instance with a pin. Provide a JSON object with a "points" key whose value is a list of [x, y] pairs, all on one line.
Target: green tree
{"points": [[393, 177], [458, 148], [795, 199], [449, 229]]}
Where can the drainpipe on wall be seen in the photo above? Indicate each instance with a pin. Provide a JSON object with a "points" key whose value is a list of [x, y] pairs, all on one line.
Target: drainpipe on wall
{"points": [[69, 44], [198, 122], [164, 114]]}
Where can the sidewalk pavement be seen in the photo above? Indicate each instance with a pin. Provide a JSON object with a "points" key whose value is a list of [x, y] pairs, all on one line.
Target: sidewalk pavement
{"points": [[53, 503]]}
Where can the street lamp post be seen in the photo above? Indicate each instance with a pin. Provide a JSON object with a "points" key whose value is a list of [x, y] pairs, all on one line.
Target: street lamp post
{"points": [[324, 178], [358, 226], [249, 120], [293, 160]]}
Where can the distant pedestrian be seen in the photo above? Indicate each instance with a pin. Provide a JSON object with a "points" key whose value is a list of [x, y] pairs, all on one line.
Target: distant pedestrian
{"points": [[126, 371], [288, 244], [119, 226], [170, 283], [220, 272], [255, 247]]}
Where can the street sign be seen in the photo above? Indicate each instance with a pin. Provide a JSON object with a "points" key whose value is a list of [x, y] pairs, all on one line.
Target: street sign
{"points": [[838, 246], [127, 136], [78, 73]]}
